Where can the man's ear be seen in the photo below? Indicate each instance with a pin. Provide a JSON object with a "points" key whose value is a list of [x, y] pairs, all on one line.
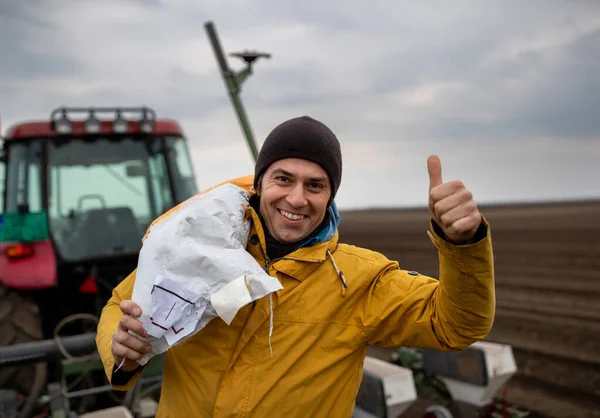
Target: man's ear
{"points": [[259, 184]]}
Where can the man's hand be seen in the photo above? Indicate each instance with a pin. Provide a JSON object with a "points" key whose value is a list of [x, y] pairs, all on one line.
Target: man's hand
{"points": [[451, 205], [125, 345]]}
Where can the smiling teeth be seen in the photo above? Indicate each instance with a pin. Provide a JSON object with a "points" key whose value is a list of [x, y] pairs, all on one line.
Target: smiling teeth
{"points": [[291, 215]]}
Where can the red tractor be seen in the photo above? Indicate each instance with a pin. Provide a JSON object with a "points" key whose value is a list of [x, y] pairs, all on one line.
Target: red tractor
{"points": [[77, 196]]}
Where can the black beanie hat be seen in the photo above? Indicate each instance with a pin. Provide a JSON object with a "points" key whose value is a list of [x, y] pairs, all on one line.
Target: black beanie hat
{"points": [[306, 138]]}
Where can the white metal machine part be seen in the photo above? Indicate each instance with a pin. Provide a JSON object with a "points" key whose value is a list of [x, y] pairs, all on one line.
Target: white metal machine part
{"points": [[387, 390], [474, 375]]}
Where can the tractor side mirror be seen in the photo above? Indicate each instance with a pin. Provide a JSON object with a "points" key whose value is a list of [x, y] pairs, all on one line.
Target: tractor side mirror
{"points": [[136, 170]]}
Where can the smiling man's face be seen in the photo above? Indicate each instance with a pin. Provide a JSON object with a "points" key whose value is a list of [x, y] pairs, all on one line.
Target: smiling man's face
{"points": [[293, 198]]}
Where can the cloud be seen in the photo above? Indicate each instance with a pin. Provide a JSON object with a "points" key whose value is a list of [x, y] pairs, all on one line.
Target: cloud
{"points": [[495, 88]]}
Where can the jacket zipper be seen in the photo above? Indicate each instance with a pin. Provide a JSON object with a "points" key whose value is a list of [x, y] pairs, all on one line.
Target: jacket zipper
{"points": [[268, 262]]}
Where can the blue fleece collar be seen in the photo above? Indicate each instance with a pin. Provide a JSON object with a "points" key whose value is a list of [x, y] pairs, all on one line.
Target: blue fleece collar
{"points": [[327, 232]]}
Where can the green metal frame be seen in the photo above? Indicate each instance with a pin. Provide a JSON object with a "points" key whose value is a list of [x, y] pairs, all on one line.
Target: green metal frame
{"points": [[233, 82], [59, 392], [234, 85]]}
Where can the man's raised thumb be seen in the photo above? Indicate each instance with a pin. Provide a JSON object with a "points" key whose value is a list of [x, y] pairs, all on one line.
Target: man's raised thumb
{"points": [[434, 167]]}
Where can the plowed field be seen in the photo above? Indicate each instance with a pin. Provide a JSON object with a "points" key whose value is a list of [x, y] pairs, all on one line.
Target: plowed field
{"points": [[547, 264]]}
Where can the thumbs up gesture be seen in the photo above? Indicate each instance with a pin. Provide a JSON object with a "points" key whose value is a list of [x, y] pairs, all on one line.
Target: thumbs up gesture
{"points": [[451, 205]]}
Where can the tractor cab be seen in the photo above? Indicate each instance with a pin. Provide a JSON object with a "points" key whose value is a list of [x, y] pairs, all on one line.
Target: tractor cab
{"points": [[80, 190]]}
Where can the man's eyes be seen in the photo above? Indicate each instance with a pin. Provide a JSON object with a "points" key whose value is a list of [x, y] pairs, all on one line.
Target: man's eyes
{"points": [[313, 186]]}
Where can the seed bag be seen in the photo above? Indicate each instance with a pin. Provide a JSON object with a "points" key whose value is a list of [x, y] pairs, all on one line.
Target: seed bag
{"points": [[193, 267]]}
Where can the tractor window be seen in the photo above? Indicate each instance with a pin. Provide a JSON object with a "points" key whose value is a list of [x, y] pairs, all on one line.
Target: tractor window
{"points": [[181, 166], [23, 186], [104, 193]]}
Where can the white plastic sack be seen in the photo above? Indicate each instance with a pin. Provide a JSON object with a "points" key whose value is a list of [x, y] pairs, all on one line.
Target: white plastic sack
{"points": [[193, 267]]}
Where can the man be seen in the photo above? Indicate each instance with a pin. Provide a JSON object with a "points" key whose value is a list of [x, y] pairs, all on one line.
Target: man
{"points": [[336, 299]]}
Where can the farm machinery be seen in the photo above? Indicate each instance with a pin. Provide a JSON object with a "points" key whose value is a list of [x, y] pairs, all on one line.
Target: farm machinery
{"points": [[79, 192]]}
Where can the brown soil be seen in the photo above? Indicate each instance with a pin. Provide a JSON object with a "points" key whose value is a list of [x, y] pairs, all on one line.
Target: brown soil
{"points": [[547, 287]]}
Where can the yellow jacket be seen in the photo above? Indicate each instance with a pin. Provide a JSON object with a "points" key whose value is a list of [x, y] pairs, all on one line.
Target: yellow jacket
{"points": [[321, 329]]}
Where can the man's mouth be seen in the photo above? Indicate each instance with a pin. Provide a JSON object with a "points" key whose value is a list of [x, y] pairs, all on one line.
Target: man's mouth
{"points": [[291, 216]]}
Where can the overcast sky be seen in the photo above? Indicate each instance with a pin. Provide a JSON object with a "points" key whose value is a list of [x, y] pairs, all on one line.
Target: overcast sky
{"points": [[507, 93]]}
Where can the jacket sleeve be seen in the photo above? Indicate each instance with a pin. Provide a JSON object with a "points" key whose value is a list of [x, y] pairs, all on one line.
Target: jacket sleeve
{"points": [[407, 309], [107, 326]]}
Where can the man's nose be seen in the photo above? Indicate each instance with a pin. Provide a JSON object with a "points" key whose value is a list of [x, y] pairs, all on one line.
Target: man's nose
{"points": [[296, 198]]}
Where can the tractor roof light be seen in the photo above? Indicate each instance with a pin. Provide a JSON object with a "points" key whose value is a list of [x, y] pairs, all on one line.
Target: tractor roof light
{"points": [[120, 124], [145, 118], [62, 125], [92, 125], [146, 124]]}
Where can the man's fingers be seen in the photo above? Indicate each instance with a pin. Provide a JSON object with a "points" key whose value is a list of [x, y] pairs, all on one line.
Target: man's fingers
{"points": [[121, 351], [451, 205], [131, 310], [129, 307], [127, 323], [434, 167], [457, 213], [130, 342], [445, 190], [128, 347], [465, 226], [124, 344], [453, 200]]}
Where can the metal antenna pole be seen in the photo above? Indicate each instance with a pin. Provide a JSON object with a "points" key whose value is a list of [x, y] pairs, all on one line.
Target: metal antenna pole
{"points": [[233, 83]]}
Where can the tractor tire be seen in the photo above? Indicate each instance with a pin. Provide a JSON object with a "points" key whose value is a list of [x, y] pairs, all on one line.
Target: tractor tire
{"points": [[19, 323]]}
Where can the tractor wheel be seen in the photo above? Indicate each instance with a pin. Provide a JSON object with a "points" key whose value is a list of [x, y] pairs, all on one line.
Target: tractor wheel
{"points": [[19, 323]]}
